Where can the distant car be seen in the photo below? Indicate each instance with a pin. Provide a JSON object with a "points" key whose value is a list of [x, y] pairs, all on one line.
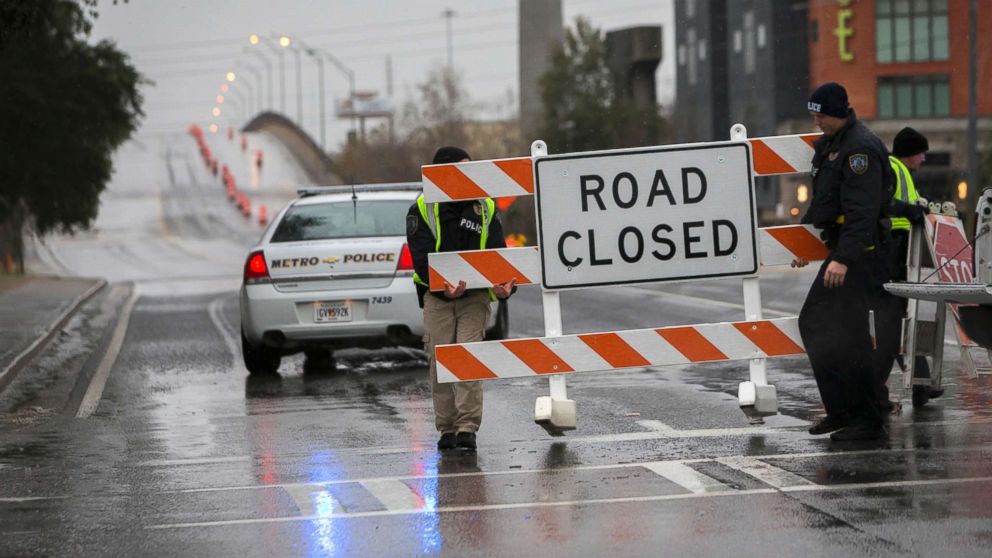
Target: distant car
{"points": [[333, 271]]}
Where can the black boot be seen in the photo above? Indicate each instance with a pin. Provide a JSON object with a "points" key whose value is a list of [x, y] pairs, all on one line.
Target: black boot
{"points": [[828, 424], [859, 431], [466, 440], [447, 441]]}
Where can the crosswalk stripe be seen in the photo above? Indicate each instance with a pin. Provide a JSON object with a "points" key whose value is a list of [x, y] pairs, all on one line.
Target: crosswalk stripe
{"points": [[313, 499], [394, 495], [768, 474], [687, 477]]}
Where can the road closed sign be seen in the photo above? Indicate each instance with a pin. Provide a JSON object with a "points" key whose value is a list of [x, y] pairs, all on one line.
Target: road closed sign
{"points": [[639, 216]]}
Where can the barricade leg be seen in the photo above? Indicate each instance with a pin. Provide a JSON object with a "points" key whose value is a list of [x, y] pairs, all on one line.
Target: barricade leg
{"points": [[756, 398], [914, 272], [556, 412]]}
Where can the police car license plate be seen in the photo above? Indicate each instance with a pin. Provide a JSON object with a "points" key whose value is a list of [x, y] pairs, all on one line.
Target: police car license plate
{"points": [[339, 311]]}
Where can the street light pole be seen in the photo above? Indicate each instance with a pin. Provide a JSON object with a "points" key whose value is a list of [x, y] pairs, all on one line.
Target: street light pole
{"points": [[312, 53], [299, 89], [268, 69], [351, 82], [257, 86], [282, 70], [973, 187]]}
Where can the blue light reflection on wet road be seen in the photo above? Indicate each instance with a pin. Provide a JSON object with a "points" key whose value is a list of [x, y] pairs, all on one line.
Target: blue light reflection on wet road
{"points": [[325, 536]]}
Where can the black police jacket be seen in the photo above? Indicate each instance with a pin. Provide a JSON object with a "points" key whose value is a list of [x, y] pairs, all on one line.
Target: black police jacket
{"points": [[853, 185], [461, 229]]}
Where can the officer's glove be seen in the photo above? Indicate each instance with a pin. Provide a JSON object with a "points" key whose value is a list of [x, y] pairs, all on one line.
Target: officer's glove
{"points": [[917, 214]]}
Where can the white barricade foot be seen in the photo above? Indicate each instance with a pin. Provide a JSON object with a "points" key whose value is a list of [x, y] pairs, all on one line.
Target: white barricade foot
{"points": [[555, 415], [757, 401]]}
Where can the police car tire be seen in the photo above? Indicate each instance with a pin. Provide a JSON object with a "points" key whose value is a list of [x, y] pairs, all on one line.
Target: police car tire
{"points": [[921, 395], [501, 329], [259, 360]]}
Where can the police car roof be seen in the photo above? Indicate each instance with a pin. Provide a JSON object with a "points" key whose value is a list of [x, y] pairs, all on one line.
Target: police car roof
{"points": [[364, 192]]}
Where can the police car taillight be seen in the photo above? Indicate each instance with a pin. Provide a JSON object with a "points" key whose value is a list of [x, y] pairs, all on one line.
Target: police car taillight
{"points": [[255, 267], [406, 260]]}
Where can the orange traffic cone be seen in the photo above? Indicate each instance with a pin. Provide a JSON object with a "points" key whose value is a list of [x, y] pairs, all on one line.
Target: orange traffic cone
{"points": [[263, 215]]}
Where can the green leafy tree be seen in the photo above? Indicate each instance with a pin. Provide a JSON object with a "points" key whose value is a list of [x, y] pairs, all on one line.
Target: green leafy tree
{"points": [[583, 109], [577, 93], [65, 107]]}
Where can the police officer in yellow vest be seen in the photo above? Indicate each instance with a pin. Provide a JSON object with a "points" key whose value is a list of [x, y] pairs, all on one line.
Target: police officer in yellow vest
{"points": [[908, 154], [456, 315]]}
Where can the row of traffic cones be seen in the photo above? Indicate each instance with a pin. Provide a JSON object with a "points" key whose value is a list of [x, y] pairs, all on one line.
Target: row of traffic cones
{"points": [[238, 197]]}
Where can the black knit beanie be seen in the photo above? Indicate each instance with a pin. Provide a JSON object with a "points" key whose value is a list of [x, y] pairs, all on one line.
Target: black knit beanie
{"points": [[909, 142], [830, 99], [450, 154]]}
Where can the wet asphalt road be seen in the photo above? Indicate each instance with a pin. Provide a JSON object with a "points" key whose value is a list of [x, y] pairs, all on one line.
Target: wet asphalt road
{"points": [[184, 455]]}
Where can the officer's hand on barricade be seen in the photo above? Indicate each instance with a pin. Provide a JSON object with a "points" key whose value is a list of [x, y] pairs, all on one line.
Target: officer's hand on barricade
{"points": [[454, 292], [917, 214], [504, 290], [834, 275], [799, 262]]}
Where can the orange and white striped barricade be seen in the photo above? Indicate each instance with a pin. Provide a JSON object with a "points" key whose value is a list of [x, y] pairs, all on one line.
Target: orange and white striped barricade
{"points": [[588, 352], [481, 269], [499, 178], [520, 176]]}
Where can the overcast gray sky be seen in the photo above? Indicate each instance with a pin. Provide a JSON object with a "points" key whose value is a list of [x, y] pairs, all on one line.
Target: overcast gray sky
{"points": [[187, 46]]}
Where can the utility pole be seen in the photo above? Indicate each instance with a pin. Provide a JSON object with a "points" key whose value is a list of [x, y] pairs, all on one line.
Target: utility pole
{"points": [[972, 143], [389, 94], [448, 15]]}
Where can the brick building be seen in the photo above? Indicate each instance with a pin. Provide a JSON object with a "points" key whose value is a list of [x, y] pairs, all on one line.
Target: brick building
{"points": [[905, 63]]}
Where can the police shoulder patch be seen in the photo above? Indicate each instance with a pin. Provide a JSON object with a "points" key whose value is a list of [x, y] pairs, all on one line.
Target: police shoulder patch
{"points": [[412, 222], [858, 163]]}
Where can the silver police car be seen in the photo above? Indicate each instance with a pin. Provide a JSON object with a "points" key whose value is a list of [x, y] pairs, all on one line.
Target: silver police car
{"points": [[333, 271]]}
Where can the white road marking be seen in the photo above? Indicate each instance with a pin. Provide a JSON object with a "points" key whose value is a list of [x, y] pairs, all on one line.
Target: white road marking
{"points": [[395, 495], [226, 330], [91, 399], [700, 300], [810, 455], [20, 499], [657, 498], [687, 477], [428, 445], [768, 474], [313, 499]]}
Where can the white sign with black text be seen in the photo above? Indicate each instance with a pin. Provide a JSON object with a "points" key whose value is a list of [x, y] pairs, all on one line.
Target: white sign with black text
{"points": [[638, 216]]}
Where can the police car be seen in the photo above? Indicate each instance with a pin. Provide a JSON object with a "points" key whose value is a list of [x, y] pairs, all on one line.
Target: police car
{"points": [[333, 271]]}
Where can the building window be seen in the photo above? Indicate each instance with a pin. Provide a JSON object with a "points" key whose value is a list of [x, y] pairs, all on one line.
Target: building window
{"points": [[681, 55], [690, 43], [690, 8], [914, 97], [737, 41], [910, 30], [749, 40], [702, 50], [761, 36]]}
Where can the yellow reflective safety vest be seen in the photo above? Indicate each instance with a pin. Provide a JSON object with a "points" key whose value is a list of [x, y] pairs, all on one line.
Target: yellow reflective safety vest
{"points": [[905, 191], [430, 213]]}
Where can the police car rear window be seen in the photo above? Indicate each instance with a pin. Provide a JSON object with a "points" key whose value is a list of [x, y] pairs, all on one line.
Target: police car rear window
{"points": [[343, 220]]}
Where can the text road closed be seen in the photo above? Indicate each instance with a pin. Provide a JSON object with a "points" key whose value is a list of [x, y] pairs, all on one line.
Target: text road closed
{"points": [[644, 216]]}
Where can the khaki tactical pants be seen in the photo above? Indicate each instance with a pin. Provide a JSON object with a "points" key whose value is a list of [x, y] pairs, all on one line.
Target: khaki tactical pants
{"points": [[457, 406]]}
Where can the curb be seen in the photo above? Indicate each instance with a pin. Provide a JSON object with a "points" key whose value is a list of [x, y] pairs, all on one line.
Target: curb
{"points": [[20, 361], [88, 389]]}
